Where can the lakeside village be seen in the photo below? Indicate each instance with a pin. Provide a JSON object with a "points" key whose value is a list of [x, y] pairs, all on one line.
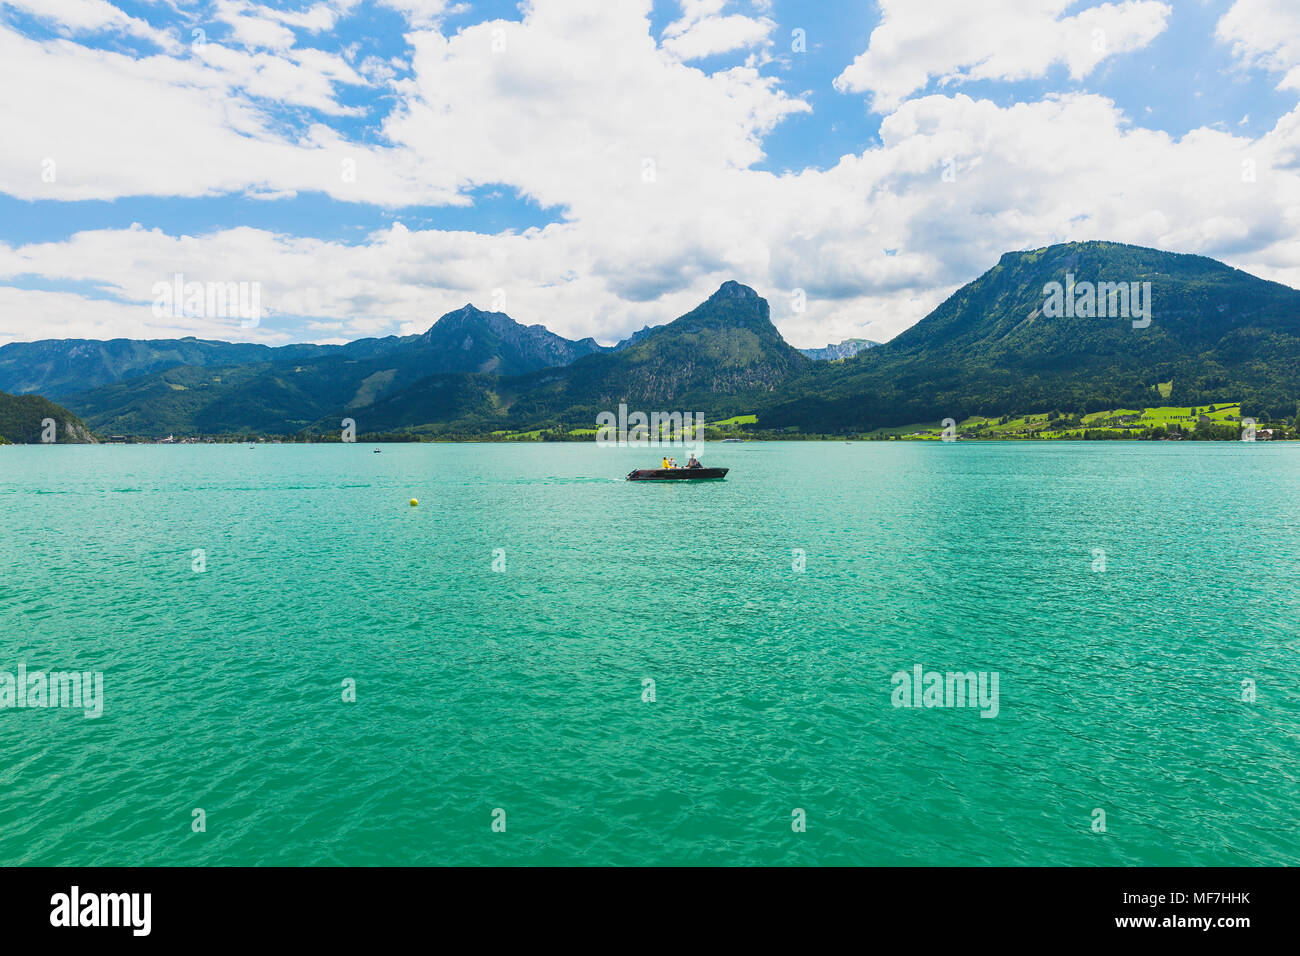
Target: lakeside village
{"points": [[1217, 422]]}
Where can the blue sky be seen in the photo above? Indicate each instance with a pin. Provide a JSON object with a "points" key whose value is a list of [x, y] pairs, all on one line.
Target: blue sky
{"points": [[597, 170]]}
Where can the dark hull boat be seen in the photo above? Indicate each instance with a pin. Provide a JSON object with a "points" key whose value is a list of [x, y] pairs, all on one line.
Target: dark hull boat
{"points": [[678, 474]]}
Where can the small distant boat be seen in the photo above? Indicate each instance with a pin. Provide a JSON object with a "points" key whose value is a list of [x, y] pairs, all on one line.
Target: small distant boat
{"points": [[678, 474], [375, 452], [726, 440]]}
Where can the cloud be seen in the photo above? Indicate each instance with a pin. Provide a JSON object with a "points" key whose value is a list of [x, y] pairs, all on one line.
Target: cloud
{"points": [[424, 13], [1071, 167], [305, 77], [692, 39], [654, 162], [957, 41], [1265, 34], [568, 105], [73, 316], [576, 106], [111, 125], [89, 16]]}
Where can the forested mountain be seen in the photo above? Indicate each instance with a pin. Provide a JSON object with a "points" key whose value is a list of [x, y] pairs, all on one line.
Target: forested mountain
{"points": [[467, 340], [59, 367], [23, 418], [995, 347], [299, 385], [721, 356]]}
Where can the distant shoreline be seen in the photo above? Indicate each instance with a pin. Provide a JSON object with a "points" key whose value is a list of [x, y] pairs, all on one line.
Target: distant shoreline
{"points": [[766, 439]]}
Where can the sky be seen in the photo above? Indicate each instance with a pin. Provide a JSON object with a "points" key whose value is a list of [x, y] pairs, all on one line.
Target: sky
{"points": [[596, 167]]}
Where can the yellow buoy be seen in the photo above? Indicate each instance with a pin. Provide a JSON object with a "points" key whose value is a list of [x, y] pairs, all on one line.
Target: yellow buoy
{"points": [[414, 502]]}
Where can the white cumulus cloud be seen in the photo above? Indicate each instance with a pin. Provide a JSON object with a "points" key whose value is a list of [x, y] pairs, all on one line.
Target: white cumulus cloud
{"points": [[956, 40], [1265, 34], [653, 164]]}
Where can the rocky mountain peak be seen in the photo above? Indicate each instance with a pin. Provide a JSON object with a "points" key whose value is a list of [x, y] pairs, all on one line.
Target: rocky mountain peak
{"points": [[731, 289]]}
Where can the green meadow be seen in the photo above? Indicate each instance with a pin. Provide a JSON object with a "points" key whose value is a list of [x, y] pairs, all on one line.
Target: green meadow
{"points": [[1116, 422], [1219, 420]]}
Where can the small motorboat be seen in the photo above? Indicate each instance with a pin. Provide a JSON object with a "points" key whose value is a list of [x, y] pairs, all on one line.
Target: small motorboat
{"points": [[678, 474]]}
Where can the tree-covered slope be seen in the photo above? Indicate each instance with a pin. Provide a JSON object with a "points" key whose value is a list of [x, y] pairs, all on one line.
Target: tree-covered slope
{"points": [[286, 396], [23, 417], [992, 348], [725, 353], [470, 340], [61, 367]]}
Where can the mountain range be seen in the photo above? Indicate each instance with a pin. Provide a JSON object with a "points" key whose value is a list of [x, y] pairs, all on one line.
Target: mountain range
{"points": [[282, 389], [461, 341], [996, 346], [846, 349]]}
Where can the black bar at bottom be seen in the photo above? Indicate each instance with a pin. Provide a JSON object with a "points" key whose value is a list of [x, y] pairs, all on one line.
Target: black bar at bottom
{"points": [[945, 906]]}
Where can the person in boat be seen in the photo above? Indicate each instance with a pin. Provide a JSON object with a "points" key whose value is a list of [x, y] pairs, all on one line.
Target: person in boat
{"points": [[664, 465], [672, 462], [693, 463]]}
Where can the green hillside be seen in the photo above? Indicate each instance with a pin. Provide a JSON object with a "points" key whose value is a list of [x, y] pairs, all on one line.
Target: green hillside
{"points": [[22, 421], [467, 340], [1222, 420], [61, 367], [1216, 333], [718, 358], [284, 397]]}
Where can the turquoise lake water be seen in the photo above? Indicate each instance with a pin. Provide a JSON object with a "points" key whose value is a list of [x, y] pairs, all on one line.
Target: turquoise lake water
{"points": [[522, 690]]}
